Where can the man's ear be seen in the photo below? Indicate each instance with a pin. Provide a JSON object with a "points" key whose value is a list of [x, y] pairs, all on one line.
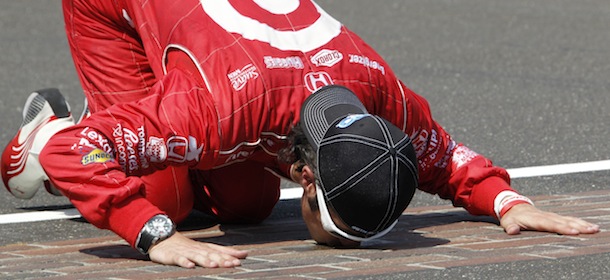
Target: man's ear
{"points": [[308, 182]]}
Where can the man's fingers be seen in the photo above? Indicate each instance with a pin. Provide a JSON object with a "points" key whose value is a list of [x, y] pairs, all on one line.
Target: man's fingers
{"points": [[214, 255], [527, 217], [512, 229], [564, 225], [585, 227], [185, 262], [184, 252], [240, 254], [215, 259], [573, 226], [190, 259]]}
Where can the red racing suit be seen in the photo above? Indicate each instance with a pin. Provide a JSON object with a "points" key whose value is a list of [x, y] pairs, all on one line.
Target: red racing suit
{"points": [[215, 88]]}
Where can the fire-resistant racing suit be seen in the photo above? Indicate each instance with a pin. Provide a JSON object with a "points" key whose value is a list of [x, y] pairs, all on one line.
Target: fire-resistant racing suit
{"points": [[215, 88]]}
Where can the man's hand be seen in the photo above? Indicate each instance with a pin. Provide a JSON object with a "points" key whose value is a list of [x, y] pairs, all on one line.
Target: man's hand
{"points": [[527, 217], [185, 252]]}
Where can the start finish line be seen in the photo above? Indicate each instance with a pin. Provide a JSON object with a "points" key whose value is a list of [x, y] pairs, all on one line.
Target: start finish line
{"points": [[294, 193]]}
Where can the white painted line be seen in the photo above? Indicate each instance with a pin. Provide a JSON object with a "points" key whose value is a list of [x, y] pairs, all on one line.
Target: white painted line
{"points": [[524, 172], [559, 169], [39, 216], [294, 193], [291, 193]]}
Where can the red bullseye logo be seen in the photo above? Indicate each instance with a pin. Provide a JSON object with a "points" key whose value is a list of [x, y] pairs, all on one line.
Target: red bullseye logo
{"points": [[288, 25]]}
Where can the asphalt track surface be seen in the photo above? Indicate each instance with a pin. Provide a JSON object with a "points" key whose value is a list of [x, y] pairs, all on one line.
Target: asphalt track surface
{"points": [[526, 83]]}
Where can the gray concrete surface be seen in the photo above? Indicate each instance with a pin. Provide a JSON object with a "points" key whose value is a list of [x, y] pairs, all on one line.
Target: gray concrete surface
{"points": [[524, 82]]}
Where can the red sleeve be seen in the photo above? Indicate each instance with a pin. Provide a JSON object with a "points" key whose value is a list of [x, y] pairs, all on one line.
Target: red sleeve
{"points": [[86, 172], [474, 182], [449, 169], [96, 163]]}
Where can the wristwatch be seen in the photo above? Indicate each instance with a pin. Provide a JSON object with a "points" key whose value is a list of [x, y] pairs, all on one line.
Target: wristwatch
{"points": [[157, 229]]}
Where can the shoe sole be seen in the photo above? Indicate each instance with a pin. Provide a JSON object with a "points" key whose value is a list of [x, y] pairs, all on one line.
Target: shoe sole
{"points": [[52, 96]]}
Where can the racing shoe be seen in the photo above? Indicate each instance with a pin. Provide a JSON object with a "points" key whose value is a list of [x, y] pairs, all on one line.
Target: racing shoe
{"points": [[45, 113], [86, 113]]}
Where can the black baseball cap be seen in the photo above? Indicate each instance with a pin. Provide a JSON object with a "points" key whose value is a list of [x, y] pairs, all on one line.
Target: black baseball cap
{"points": [[366, 167]]}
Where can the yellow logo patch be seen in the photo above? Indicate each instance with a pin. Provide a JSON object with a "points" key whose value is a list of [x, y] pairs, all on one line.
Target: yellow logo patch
{"points": [[96, 156]]}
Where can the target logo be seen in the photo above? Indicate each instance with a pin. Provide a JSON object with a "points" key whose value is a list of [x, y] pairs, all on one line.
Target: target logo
{"points": [[289, 25]]}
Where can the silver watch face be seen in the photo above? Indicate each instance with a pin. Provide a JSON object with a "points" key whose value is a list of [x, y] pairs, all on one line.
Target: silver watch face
{"points": [[160, 226]]}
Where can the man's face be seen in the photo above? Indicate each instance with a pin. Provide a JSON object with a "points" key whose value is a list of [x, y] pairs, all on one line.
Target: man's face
{"points": [[303, 175], [311, 215]]}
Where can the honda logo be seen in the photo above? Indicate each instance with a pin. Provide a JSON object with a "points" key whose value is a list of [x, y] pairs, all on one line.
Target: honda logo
{"points": [[317, 80]]}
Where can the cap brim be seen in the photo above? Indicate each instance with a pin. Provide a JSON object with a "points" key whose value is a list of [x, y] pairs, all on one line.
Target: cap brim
{"points": [[325, 106], [329, 225]]}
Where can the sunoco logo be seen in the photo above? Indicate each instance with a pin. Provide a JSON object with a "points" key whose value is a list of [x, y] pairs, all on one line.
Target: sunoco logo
{"points": [[326, 58], [96, 156]]}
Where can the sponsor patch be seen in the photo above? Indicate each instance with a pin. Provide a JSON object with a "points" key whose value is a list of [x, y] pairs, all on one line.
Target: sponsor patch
{"points": [[128, 145], [349, 120], [241, 155], [283, 62], [363, 60], [326, 58], [96, 156], [240, 77], [463, 155], [92, 139], [181, 149], [317, 80], [156, 149]]}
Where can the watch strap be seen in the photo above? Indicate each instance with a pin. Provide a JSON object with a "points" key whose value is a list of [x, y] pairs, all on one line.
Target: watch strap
{"points": [[146, 239]]}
